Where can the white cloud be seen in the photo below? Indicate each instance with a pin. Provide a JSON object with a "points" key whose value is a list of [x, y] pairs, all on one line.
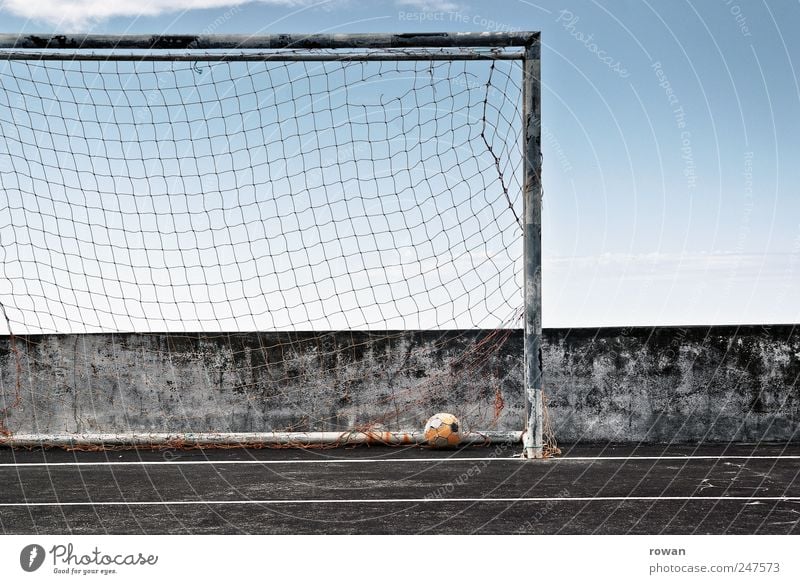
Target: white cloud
{"points": [[671, 288], [79, 14], [431, 5], [667, 266]]}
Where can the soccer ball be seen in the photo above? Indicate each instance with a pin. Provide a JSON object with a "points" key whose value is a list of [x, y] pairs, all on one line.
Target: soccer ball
{"points": [[442, 431]]}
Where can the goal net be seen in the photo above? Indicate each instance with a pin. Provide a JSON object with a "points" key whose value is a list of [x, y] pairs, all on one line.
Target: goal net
{"points": [[308, 245]]}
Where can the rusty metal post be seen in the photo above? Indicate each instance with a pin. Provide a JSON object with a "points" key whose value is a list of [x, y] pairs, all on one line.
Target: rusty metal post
{"points": [[272, 41], [532, 226]]}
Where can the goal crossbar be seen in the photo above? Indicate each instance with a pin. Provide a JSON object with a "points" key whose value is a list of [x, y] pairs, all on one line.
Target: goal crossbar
{"points": [[275, 56], [274, 41]]}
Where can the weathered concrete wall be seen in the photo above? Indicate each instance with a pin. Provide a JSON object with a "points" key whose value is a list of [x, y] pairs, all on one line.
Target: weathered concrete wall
{"points": [[681, 384], [689, 384], [259, 382]]}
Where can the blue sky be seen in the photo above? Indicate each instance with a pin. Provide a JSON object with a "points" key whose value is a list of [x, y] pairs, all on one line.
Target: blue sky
{"points": [[669, 137]]}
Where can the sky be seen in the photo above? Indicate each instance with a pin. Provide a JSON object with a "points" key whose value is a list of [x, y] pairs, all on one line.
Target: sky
{"points": [[668, 137]]}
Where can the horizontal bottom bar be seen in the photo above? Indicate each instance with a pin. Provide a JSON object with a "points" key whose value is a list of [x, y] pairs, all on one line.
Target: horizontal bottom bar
{"points": [[405, 501], [242, 439]]}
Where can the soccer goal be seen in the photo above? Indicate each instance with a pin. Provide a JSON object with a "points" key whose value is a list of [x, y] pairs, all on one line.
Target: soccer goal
{"points": [[303, 237]]}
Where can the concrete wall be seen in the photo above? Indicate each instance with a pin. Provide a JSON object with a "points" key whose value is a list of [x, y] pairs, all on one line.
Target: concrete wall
{"points": [[688, 384], [683, 384]]}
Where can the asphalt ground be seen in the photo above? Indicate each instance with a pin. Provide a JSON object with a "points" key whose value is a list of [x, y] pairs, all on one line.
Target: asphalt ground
{"points": [[601, 489]]}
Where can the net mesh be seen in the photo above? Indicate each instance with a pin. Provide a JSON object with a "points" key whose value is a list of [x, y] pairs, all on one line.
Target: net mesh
{"points": [[337, 207], [259, 196]]}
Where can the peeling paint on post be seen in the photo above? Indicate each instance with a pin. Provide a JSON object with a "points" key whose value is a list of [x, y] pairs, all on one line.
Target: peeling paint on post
{"points": [[278, 47], [532, 229], [273, 41]]}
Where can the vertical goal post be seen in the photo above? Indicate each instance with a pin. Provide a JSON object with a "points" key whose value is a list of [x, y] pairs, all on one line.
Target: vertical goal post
{"points": [[422, 47]]}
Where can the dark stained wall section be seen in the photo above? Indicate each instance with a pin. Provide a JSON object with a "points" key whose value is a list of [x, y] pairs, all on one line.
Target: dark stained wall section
{"points": [[675, 384], [664, 384]]}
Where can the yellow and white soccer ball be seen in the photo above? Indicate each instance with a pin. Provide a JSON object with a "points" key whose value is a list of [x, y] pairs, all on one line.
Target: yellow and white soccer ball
{"points": [[442, 431]]}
